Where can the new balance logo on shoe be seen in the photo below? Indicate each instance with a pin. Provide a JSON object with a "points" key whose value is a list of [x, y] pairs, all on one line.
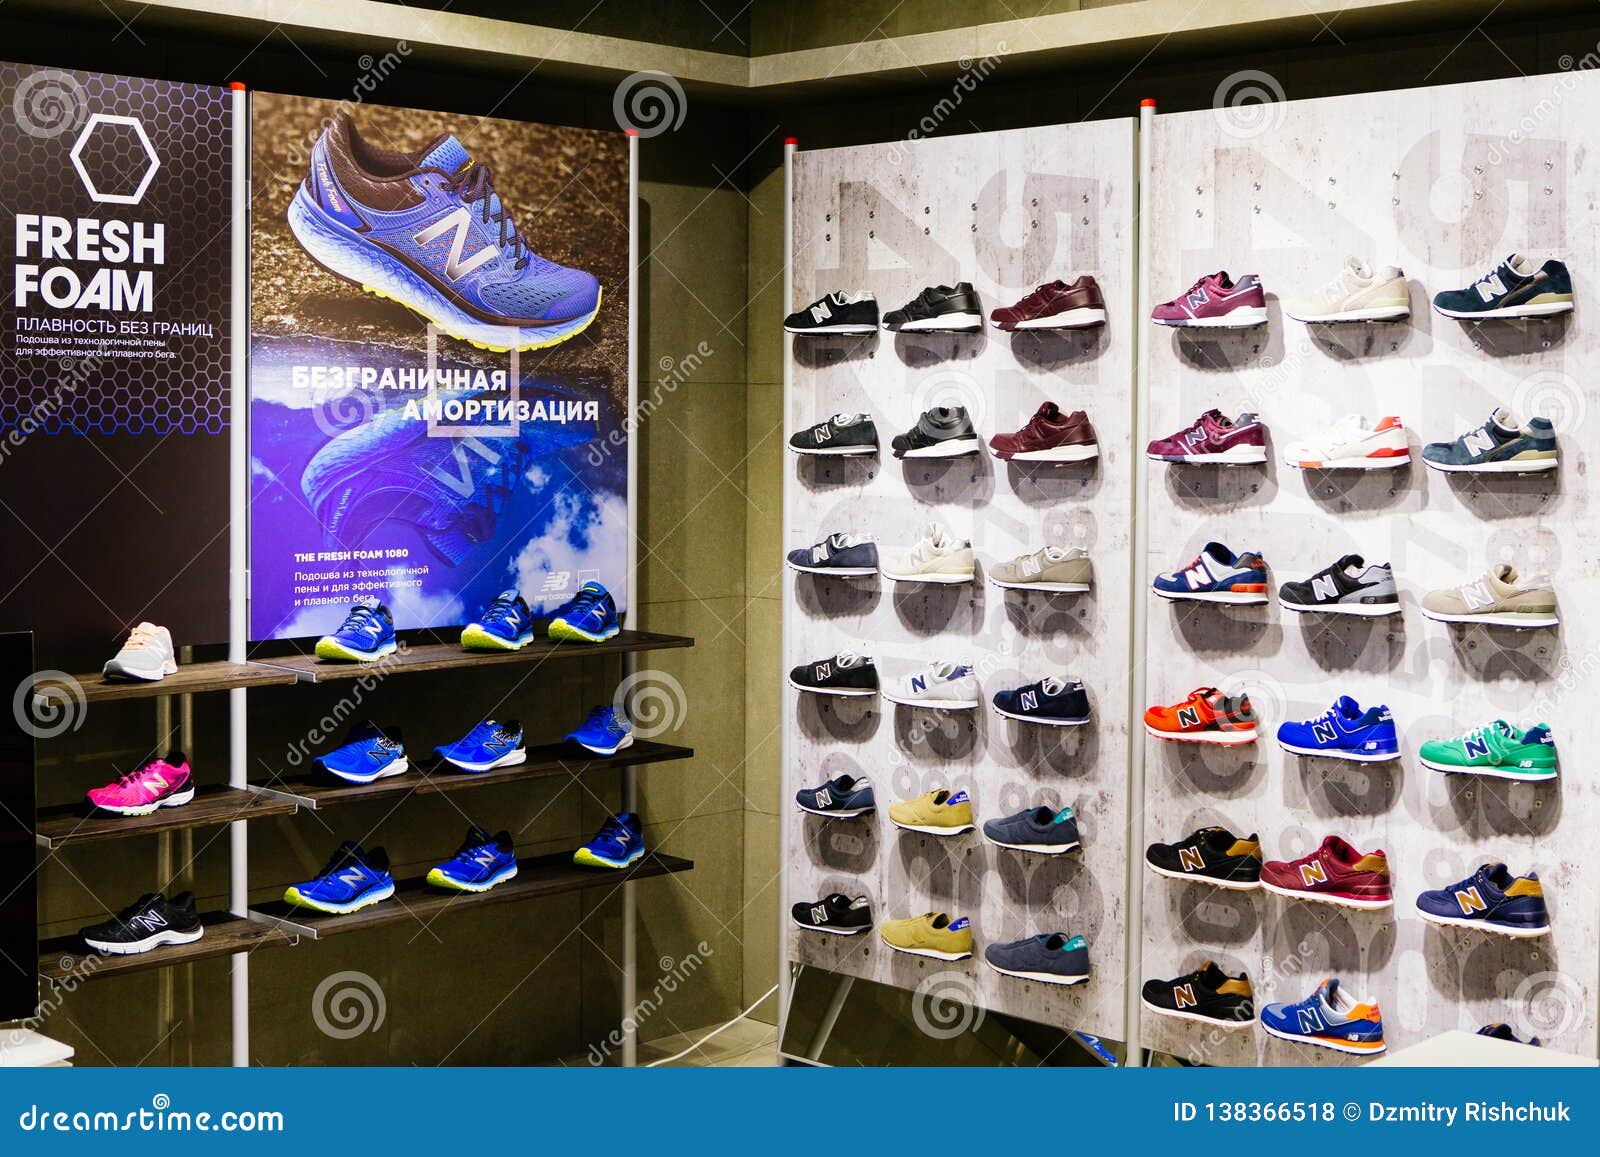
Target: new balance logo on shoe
{"points": [[1476, 748], [824, 797], [1490, 287], [919, 683], [1030, 701], [1470, 901], [1325, 732], [1313, 873], [820, 311], [1198, 298], [1310, 1020], [1183, 996], [1188, 717], [355, 877], [819, 912], [824, 670], [150, 921], [824, 433], [1324, 587], [1476, 595], [1480, 442], [819, 553], [1190, 859]]}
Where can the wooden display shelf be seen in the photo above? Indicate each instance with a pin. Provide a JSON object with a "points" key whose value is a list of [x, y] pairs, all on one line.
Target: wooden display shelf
{"points": [[317, 791], [415, 900], [191, 678], [420, 657], [66, 959], [79, 823]]}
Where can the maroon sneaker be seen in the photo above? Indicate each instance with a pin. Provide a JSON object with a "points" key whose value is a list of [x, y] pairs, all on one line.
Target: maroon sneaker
{"points": [[1056, 305], [1218, 301], [1049, 436], [1214, 438], [1335, 873]]}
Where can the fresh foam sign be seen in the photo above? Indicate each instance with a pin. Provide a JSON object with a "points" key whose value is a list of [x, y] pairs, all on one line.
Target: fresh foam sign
{"points": [[87, 263]]}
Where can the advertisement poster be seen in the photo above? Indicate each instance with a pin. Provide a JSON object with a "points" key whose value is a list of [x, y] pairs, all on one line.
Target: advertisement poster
{"points": [[438, 380], [115, 201]]}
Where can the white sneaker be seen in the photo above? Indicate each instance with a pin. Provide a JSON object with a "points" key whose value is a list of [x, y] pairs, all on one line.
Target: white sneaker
{"points": [[1358, 293], [1353, 444], [147, 654], [943, 686], [939, 557]]}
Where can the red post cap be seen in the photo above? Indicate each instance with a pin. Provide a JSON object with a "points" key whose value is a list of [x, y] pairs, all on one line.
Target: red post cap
{"points": [[631, 132], [1148, 102], [236, 85], [791, 140]]}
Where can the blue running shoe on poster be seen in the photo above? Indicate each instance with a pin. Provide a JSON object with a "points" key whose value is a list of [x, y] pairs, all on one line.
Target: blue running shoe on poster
{"points": [[1344, 731], [618, 844], [590, 616], [479, 864], [506, 626], [366, 634], [368, 753], [606, 731], [487, 746], [428, 230], [353, 879], [1329, 1019]]}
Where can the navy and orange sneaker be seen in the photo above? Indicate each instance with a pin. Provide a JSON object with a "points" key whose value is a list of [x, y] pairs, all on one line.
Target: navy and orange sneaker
{"points": [[1491, 899], [1217, 575], [1206, 716], [1336, 873], [1329, 1019]]}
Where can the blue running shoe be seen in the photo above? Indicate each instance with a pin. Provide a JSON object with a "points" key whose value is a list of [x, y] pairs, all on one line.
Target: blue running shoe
{"points": [[428, 230], [479, 864], [606, 731], [1217, 575], [368, 753], [590, 616], [487, 746], [1329, 1019], [506, 626], [1344, 731], [1491, 899], [1502, 445], [353, 879], [618, 844], [366, 634]]}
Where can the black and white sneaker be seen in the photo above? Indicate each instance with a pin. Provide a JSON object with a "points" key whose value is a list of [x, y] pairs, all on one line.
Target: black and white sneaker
{"points": [[1210, 855], [845, 674], [942, 432], [839, 554], [836, 313], [938, 309], [840, 434], [842, 797], [1348, 587], [149, 922], [1208, 995], [835, 914]]}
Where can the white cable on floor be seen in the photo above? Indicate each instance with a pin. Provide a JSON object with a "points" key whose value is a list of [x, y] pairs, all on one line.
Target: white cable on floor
{"points": [[715, 1031]]}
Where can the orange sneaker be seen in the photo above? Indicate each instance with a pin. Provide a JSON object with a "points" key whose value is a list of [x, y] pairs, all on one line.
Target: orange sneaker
{"points": [[1206, 716]]}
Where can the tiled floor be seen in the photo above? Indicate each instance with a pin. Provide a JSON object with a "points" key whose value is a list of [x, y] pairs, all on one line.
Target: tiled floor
{"points": [[748, 1044]]}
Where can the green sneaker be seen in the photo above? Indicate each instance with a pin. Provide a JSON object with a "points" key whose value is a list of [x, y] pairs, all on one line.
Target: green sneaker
{"points": [[1496, 749]]}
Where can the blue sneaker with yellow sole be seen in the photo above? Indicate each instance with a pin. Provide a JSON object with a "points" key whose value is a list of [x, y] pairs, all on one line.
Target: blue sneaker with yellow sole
{"points": [[479, 864], [618, 844], [506, 626], [366, 635], [353, 879], [589, 617]]}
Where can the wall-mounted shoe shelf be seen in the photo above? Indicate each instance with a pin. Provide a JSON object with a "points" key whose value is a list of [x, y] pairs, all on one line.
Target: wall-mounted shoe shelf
{"points": [[449, 657], [191, 679], [65, 959], [78, 823]]}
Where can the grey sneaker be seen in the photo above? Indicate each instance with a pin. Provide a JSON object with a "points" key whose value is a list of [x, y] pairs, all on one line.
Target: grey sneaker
{"points": [[942, 432], [1500, 598], [1349, 587], [1050, 568], [838, 554], [1042, 829], [937, 557], [1053, 959], [147, 655]]}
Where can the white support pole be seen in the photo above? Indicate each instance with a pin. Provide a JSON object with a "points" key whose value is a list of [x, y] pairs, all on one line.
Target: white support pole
{"points": [[786, 715], [630, 662], [239, 553]]}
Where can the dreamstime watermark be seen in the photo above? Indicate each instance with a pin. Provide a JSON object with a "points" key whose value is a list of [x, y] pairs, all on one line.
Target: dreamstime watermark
{"points": [[374, 71], [74, 372], [49, 102], [49, 703], [654, 702], [674, 373], [1553, 1004], [973, 73], [649, 103], [333, 722], [674, 974], [1549, 393], [946, 1004], [348, 1004], [76, 970], [1249, 103]]}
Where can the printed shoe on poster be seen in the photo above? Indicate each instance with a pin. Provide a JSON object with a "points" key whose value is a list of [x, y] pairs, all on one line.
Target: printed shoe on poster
{"points": [[1216, 301], [365, 636], [836, 914], [1216, 575], [428, 230], [1207, 995], [1358, 293], [1055, 305], [147, 656], [505, 625], [1502, 445], [1501, 598], [162, 782], [1353, 443], [1336, 873], [1206, 716], [1329, 1019], [841, 554], [1350, 586], [1517, 287], [1053, 958], [1344, 731], [1492, 899], [1053, 569], [1049, 436], [839, 312], [1214, 440], [841, 435]]}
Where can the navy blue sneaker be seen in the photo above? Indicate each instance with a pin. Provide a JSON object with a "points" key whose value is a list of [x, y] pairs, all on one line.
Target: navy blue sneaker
{"points": [[479, 864], [842, 797], [618, 844], [1514, 288], [1344, 731], [1042, 829], [487, 746], [1491, 899], [605, 732], [353, 879], [838, 554], [366, 634], [506, 626], [589, 617], [1502, 445], [1051, 701], [368, 753], [1217, 575], [1505, 1032], [1053, 959], [1329, 1019]]}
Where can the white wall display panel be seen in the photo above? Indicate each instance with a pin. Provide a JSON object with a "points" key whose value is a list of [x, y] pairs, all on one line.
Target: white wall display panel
{"points": [[1443, 182], [1006, 211]]}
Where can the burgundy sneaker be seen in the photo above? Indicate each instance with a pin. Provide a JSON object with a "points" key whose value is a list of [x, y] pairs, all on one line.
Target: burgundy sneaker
{"points": [[1218, 301], [1335, 873], [1050, 436], [1214, 438], [1056, 305]]}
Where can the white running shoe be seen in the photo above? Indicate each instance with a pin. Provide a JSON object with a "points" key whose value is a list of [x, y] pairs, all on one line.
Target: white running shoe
{"points": [[941, 685], [1353, 444], [147, 654], [939, 557], [1358, 293]]}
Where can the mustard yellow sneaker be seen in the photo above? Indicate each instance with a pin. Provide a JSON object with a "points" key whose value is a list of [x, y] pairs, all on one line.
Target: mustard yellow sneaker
{"points": [[937, 813], [934, 935]]}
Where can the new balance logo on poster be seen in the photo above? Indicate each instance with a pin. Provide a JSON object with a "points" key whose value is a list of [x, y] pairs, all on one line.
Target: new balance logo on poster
{"points": [[460, 223], [1190, 859]]}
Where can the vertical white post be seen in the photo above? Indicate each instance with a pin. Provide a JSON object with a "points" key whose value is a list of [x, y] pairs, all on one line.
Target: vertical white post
{"points": [[1137, 596], [630, 663], [239, 551], [786, 716]]}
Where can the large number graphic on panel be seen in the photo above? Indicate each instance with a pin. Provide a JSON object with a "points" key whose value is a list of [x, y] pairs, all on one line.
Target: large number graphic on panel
{"points": [[438, 363]]}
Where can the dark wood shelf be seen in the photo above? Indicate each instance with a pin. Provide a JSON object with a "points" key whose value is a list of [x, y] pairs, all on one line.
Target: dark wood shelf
{"points": [[66, 959], [192, 678], [415, 900], [318, 790], [80, 823]]}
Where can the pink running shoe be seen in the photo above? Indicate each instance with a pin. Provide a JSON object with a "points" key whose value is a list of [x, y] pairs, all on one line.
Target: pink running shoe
{"points": [[159, 783], [1217, 301], [1214, 439]]}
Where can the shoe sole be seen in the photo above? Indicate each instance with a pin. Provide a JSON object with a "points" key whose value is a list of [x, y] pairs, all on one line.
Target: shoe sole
{"points": [[926, 830], [439, 880], [1370, 313], [944, 323], [1215, 1022], [1515, 933], [829, 931], [148, 944], [855, 327], [933, 577], [562, 631], [115, 670], [930, 953], [843, 693], [626, 741], [950, 448], [1082, 318], [347, 256], [1037, 849], [584, 858], [475, 638], [1251, 456], [1041, 720], [1363, 610], [377, 896], [1387, 462], [331, 649], [1526, 621], [851, 814], [1046, 588], [1345, 755], [1214, 738], [1491, 772], [1324, 1043], [1244, 317], [1541, 309], [933, 704], [1077, 453], [176, 799], [1187, 878], [840, 453], [1324, 898], [1224, 598], [837, 571], [389, 770], [1041, 977], [509, 759], [1510, 466]]}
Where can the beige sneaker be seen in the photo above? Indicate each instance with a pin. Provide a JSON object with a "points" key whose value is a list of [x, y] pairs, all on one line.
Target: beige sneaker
{"points": [[939, 557], [1050, 568], [935, 935], [1358, 293], [147, 655], [934, 813], [1498, 599]]}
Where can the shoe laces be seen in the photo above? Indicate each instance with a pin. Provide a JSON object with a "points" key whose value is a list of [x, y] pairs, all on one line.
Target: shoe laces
{"points": [[143, 635], [476, 184], [503, 608], [612, 828], [602, 716], [360, 615]]}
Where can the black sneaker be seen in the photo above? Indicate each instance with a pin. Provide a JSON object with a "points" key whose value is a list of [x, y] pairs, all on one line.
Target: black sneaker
{"points": [[842, 797], [1214, 855], [845, 674], [840, 434], [149, 922], [942, 432], [1350, 586], [838, 554], [1517, 287], [1504, 1032], [1052, 701], [837, 313], [939, 309], [835, 914], [1208, 995]]}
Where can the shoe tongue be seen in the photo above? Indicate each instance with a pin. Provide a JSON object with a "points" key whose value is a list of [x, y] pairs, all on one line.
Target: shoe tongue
{"points": [[447, 154], [1213, 975], [849, 419], [1505, 419], [1348, 707], [1049, 411], [1358, 267], [1329, 991], [1351, 564], [477, 837], [1052, 685], [847, 659]]}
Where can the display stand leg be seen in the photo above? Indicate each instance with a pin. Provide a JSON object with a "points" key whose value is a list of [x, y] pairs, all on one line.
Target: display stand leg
{"points": [[786, 715], [239, 556], [830, 1017], [630, 618]]}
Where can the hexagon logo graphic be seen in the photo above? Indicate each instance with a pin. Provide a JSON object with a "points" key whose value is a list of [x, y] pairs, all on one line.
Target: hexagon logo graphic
{"points": [[90, 128]]}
